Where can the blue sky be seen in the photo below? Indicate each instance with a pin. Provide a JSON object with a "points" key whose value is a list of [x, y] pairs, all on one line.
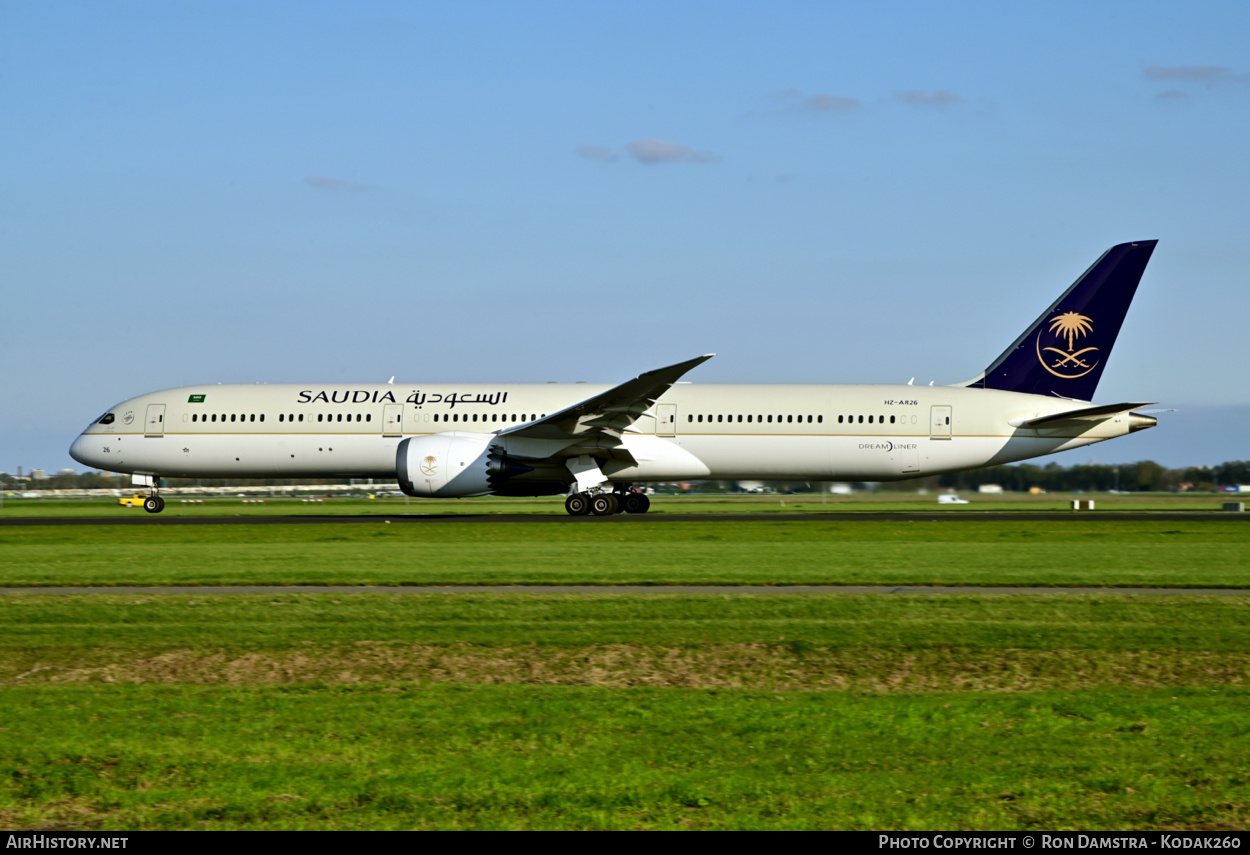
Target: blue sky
{"points": [[515, 192]]}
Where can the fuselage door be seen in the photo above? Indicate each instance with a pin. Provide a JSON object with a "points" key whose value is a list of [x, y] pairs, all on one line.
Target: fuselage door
{"points": [[666, 420], [940, 423], [393, 420], [154, 425]]}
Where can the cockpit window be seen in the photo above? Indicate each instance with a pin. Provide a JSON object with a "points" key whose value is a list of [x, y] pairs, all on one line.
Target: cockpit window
{"points": [[106, 419]]}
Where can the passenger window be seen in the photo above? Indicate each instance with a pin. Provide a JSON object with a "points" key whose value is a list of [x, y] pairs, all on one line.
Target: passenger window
{"points": [[748, 420], [739, 419], [252, 417], [368, 417], [700, 418], [770, 419], [690, 417], [320, 416], [789, 419], [820, 420], [861, 420], [301, 417], [720, 419], [891, 419], [839, 420], [870, 420], [232, 416]]}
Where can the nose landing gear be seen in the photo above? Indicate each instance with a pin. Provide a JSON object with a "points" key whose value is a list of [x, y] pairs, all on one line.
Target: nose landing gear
{"points": [[154, 504]]}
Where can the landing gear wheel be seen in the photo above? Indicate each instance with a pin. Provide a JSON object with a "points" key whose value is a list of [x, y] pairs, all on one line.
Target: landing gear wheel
{"points": [[635, 503], [578, 505], [154, 504], [604, 505]]}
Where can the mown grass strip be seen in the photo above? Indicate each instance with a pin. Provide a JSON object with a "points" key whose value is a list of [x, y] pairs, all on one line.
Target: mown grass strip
{"points": [[790, 666], [1208, 554], [72, 628], [438, 756]]}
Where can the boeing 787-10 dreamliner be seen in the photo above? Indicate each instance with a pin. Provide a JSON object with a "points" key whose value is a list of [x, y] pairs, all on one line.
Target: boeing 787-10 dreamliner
{"points": [[597, 444]]}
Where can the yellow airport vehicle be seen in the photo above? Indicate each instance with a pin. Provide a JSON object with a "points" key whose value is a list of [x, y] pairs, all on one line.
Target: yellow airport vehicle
{"points": [[135, 501]]}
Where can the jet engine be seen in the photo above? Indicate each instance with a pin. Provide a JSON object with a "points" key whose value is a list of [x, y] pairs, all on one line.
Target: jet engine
{"points": [[455, 464]]}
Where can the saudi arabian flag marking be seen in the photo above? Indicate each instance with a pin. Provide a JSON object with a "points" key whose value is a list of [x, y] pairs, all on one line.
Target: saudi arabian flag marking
{"points": [[195, 399]]}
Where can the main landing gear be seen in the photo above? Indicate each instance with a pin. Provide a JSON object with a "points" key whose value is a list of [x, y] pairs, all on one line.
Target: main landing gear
{"points": [[606, 504], [154, 504]]}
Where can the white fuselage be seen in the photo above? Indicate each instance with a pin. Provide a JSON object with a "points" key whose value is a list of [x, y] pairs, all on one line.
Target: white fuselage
{"points": [[694, 431]]}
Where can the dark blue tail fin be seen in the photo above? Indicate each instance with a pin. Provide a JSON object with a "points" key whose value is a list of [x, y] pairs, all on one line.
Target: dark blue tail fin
{"points": [[1065, 351]]}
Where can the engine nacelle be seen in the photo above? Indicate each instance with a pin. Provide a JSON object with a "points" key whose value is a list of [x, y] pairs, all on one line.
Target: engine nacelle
{"points": [[446, 465], [454, 464]]}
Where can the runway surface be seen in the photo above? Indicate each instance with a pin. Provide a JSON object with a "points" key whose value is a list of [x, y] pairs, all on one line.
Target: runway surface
{"points": [[627, 519], [625, 589]]}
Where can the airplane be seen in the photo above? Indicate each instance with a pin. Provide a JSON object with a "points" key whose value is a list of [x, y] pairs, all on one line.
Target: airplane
{"points": [[599, 444]]}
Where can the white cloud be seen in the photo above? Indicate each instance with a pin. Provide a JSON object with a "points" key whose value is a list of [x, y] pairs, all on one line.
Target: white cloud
{"points": [[324, 183], [920, 98], [824, 103], [599, 153], [653, 152], [1208, 74]]}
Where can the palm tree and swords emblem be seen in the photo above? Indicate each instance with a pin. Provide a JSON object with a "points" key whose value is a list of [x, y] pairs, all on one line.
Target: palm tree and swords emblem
{"points": [[1069, 327], [429, 465]]}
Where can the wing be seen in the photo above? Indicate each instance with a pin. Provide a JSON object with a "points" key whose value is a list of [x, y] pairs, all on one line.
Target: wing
{"points": [[596, 424]]}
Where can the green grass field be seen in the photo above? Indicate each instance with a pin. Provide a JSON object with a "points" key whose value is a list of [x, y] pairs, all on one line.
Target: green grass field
{"points": [[612, 710], [711, 503], [1202, 553]]}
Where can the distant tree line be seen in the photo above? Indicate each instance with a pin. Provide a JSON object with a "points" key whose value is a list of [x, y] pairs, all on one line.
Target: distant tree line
{"points": [[1145, 476], [111, 481]]}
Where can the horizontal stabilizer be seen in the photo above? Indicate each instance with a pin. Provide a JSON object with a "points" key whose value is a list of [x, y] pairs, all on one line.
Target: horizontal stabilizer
{"points": [[1085, 416]]}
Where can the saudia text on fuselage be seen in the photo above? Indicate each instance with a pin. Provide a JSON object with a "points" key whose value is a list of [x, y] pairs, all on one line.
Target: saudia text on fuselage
{"points": [[417, 398]]}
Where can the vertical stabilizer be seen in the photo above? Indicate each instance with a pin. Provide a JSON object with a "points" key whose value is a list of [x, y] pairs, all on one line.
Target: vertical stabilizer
{"points": [[1064, 352]]}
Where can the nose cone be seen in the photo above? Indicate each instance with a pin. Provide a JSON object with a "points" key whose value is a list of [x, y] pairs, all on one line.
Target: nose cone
{"points": [[80, 450]]}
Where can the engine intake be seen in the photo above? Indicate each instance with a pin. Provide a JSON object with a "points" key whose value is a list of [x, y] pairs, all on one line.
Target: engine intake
{"points": [[455, 464]]}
